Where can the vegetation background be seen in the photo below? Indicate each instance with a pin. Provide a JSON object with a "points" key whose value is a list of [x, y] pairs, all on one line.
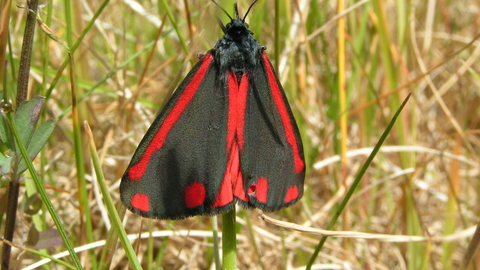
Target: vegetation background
{"points": [[345, 76]]}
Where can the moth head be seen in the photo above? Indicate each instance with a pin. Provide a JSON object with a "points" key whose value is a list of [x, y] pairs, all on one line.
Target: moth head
{"points": [[238, 25]]}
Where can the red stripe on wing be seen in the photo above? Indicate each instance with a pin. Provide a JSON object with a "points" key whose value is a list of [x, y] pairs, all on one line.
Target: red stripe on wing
{"points": [[136, 171], [232, 173], [232, 110], [284, 115], [241, 103]]}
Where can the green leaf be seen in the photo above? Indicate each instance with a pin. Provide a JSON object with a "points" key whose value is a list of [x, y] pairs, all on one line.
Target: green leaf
{"points": [[39, 139], [31, 205], [48, 239], [5, 133], [5, 164], [26, 118], [33, 235]]}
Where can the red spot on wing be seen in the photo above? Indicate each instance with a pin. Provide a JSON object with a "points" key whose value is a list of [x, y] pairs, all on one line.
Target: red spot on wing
{"points": [[136, 171], [282, 109], [251, 189], [194, 195], [292, 194], [259, 190], [140, 201]]}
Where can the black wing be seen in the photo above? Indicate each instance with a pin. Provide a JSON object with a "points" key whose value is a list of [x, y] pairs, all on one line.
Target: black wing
{"points": [[179, 165], [271, 154]]}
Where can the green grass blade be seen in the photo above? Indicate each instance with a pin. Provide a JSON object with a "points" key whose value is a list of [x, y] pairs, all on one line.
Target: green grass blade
{"points": [[116, 222], [357, 180], [44, 195]]}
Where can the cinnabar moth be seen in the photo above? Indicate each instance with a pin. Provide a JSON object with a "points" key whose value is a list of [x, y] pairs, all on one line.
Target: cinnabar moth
{"points": [[226, 135]]}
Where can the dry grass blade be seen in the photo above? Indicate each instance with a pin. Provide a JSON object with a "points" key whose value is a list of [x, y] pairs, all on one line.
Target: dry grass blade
{"points": [[371, 236]]}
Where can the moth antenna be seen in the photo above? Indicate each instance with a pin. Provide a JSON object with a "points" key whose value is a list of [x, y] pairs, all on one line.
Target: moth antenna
{"points": [[224, 29], [224, 11], [245, 16], [235, 7]]}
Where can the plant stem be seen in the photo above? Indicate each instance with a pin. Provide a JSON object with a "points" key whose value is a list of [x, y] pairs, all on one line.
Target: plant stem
{"points": [[26, 54], [216, 248], [13, 192], [23, 75], [229, 240]]}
